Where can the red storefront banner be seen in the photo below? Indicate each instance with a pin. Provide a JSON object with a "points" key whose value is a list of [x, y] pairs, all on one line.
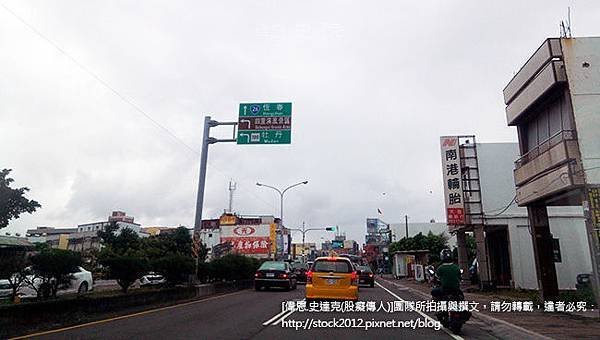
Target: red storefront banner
{"points": [[248, 245]]}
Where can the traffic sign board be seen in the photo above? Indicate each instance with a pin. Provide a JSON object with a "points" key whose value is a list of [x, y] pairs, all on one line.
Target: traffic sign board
{"points": [[265, 109], [265, 123], [264, 137]]}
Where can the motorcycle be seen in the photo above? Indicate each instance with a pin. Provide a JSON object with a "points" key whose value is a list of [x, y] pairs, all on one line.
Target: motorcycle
{"points": [[453, 320]]}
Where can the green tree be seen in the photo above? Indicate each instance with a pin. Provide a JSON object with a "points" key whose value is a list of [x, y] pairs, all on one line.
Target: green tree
{"points": [[125, 269], [126, 241], [13, 201], [432, 242], [12, 267], [108, 234], [55, 267], [182, 241], [471, 248], [202, 252]]}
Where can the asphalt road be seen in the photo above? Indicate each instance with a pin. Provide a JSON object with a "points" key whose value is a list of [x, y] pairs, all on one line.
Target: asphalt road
{"points": [[250, 314]]}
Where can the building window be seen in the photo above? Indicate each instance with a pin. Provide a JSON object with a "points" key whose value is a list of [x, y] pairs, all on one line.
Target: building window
{"points": [[209, 235], [556, 250]]}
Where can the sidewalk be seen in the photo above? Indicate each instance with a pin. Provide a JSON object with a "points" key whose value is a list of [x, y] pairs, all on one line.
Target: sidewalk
{"points": [[553, 325]]}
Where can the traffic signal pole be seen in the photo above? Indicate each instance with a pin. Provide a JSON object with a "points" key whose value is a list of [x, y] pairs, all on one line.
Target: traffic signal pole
{"points": [[206, 141], [304, 231]]}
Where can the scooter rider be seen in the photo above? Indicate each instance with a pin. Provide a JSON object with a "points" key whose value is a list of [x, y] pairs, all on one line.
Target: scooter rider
{"points": [[449, 276]]}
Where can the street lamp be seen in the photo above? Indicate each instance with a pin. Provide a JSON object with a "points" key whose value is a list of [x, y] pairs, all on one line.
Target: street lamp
{"points": [[281, 193]]}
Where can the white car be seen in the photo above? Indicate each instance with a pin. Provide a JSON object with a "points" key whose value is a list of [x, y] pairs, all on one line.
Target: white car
{"points": [[152, 279], [5, 289], [81, 282]]}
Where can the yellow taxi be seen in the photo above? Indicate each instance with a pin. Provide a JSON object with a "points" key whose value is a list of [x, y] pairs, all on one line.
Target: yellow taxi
{"points": [[332, 278]]}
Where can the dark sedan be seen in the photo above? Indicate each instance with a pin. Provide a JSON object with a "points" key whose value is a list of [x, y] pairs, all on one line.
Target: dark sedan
{"points": [[300, 269], [275, 274], [365, 276]]}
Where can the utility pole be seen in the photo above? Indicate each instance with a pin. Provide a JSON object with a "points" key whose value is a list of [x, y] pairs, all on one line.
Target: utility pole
{"points": [[406, 224], [206, 141], [303, 236]]}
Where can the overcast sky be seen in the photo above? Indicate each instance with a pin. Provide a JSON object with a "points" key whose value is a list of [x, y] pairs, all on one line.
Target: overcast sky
{"points": [[373, 86]]}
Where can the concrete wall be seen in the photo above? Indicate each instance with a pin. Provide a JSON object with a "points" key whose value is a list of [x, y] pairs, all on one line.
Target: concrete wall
{"points": [[566, 223], [568, 227], [210, 237], [582, 63]]}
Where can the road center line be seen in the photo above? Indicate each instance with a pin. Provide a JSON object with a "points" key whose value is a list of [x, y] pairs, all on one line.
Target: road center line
{"points": [[454, 336]]}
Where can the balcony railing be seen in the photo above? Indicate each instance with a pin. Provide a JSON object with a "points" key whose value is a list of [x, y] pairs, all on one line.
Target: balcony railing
{"points": [[544, 146]]}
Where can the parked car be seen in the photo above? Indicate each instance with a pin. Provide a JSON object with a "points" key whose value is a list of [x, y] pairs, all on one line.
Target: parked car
{"points": [[584, 281], [332, 278], [81, 282], [152, 279], [5, 289], [366, 276], [300, 269], [275, 274]]}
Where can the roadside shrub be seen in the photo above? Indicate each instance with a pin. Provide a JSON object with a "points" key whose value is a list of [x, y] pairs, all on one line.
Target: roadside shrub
{"points": [[175, 267], [125, 269], [233, 267], [584, 295], [204, 272]]}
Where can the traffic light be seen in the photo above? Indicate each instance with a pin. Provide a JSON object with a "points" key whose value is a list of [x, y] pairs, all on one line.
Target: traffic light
{"points": [[330, 228]]}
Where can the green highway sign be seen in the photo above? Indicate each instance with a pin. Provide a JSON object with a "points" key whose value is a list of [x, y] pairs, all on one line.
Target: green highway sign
{"points": [[265, 123], [265, 109], [264, 137]]}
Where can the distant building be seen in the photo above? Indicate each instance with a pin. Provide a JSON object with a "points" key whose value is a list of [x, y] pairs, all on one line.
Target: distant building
{"points": [[49, 235], [154, 231], [85, 236], [310, 249], [120, 216], [249, 235], [12, 245]]}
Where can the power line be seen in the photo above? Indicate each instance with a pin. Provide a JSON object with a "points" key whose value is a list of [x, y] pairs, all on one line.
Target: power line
{"points": [[534, 193], [100, 80], [505, 208], [104, 83]]}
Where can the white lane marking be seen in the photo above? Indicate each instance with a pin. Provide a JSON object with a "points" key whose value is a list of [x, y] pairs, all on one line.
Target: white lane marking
{"points": [[282, 318], [281, 315], [454, 336]]}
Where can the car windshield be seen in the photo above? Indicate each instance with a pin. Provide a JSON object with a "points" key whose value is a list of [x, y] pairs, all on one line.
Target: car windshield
{"points": [[272, 265], [336, 266], [365, 269], [299, 265]]}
